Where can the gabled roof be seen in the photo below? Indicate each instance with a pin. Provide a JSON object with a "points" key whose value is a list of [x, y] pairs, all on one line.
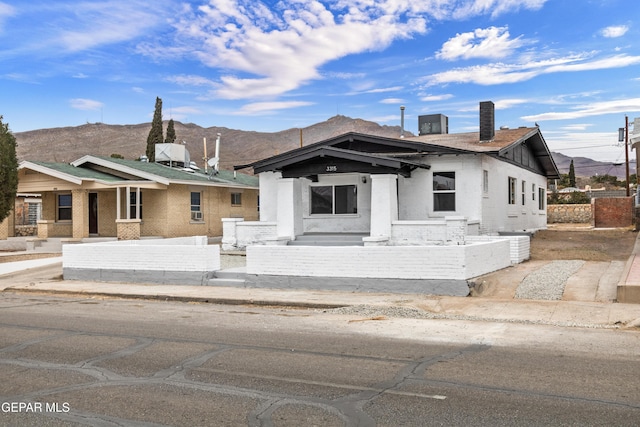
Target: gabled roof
{"points": [[377, 147], [381, 162], [357, 143], [114, 171]]}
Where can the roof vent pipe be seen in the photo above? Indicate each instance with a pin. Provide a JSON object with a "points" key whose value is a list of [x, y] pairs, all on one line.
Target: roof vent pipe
{"points": [[487, 121], [402, 121], [217, 153]]}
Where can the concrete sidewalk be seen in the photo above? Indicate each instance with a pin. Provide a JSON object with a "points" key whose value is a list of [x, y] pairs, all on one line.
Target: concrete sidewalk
{"points": [[589, 314]]}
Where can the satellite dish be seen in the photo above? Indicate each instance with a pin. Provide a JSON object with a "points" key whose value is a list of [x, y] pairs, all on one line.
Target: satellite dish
{"points": [[213, 162]]}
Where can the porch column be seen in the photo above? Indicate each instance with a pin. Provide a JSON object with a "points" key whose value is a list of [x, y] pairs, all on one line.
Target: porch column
{"points": [[269, 195], [384, 204], [80, 213], [289, 221], [118, 208]]}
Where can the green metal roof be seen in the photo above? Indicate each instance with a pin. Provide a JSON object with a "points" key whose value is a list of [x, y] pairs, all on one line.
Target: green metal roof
{"points": [[83, 173], [176, 174]]}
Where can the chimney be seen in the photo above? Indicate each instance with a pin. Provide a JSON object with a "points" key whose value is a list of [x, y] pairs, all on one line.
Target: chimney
{"points": [[487, 121], [402, 121]]}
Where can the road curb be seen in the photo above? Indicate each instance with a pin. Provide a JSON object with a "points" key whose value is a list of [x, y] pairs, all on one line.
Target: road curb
{"points": [[176, 298]]}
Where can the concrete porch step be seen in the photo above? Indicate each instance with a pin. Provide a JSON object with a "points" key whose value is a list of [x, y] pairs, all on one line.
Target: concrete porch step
{"points": [[232, 277], [226, 282], [329, 239]]}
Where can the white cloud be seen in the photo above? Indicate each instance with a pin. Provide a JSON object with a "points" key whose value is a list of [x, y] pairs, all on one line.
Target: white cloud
{"points": [[466, 9], [85, 104], [435, 98], [268, 107], [614, 31], [90, 24], [392, 101], [190, 80], [601, 146], [492, 42], [593, 109], [504, 104], [267, 52], [577, 127], [500, 73], [6, 11]]}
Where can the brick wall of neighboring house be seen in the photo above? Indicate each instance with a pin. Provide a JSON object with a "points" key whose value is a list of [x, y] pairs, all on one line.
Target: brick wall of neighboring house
{"points": [[569, 214], [613, 212]]}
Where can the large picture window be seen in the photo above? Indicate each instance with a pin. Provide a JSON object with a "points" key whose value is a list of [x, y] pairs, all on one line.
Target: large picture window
{"points": [[64, 202], [444, 191], [334, 199]]}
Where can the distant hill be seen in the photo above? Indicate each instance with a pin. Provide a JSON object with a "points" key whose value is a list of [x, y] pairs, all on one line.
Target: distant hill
{"points": [[587, 167], [237, 146]]}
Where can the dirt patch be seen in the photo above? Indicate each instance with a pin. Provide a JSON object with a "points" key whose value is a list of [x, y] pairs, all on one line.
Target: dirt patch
{"points": [[9, 257], [587, 245]]}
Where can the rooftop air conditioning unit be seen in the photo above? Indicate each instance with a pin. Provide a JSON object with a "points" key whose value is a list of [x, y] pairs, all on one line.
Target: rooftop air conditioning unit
{"points": [[433, 124]]}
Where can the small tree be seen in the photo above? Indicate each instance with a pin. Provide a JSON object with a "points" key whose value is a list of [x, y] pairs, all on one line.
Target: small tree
{"points": [[155, 134], [171, 133], [8, 171], [572, 175]]}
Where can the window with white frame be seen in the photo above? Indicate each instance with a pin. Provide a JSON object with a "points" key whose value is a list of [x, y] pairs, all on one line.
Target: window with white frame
{"points": [[64, 207], [236, 199], [533, 192], [196, 211], [334, 199], [444, 191], [512, 191], [524, 190], [135, 205], [541, 198]]}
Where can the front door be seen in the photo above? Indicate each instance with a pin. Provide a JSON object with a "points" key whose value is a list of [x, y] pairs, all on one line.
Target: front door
{"points": [[93, 213]]}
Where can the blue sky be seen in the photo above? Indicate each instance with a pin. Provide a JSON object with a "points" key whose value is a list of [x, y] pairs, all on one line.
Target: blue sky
{"points": [[572, 66]]}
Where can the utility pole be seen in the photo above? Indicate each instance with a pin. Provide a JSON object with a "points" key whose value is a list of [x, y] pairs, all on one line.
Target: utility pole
{"points": [[623, 135]]}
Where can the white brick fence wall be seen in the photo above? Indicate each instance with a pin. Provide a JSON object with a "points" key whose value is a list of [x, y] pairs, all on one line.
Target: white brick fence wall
{"points": [[184, 260]]}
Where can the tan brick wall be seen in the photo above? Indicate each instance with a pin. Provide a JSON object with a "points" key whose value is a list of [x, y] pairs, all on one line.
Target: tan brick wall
{"points": [[154, 213], [49, 206], [107, 213], [164, 213], [4, 228], [128, 229], [80, 213]]}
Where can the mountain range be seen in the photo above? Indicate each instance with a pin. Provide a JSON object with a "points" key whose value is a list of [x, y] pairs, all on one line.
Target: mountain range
{"points": [[237, 147]]}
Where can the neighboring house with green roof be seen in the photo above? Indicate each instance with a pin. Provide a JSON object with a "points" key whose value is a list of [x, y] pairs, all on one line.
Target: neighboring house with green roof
{"points": [[128, 199]]}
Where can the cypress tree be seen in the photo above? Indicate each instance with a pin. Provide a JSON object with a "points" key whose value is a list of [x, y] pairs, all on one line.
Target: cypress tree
{"points": [[8, 171], [171, 133], [155, 134], [572, 175]]}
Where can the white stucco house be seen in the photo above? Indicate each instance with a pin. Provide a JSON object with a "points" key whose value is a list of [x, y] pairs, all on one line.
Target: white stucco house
{"points": [[430, 207]]}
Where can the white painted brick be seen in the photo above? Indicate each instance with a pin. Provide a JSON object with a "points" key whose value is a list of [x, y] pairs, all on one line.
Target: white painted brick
{"points": [[401, 262], [180, 254]]}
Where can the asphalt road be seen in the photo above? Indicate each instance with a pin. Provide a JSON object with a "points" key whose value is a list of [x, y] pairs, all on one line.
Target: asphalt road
{"points": [[105, 362]]}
